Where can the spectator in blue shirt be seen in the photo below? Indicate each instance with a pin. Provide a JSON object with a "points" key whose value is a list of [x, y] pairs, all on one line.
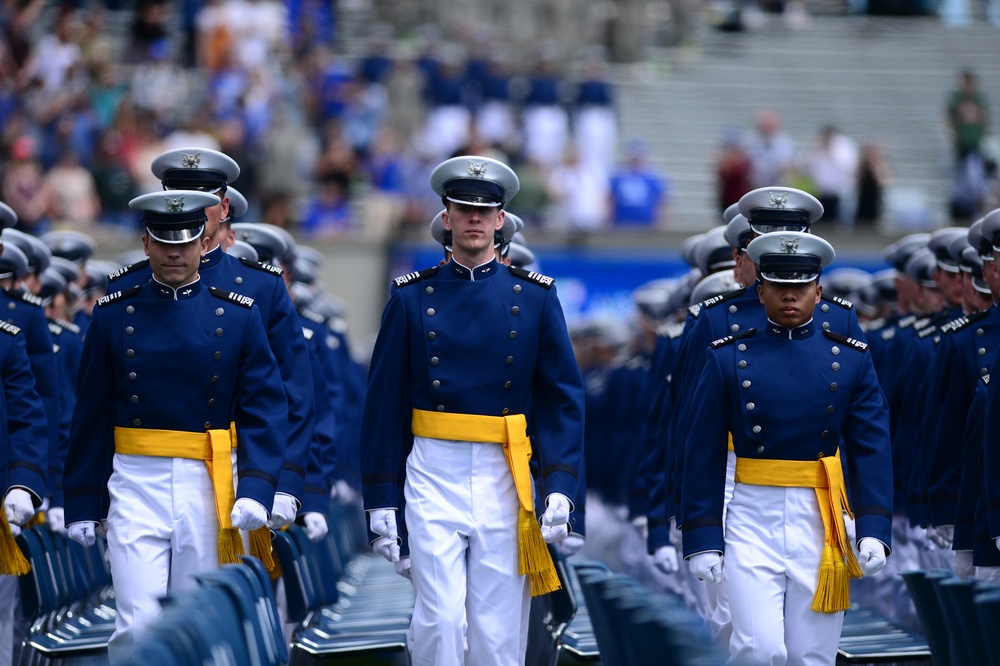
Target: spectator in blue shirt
{"points": [[639, 195]]}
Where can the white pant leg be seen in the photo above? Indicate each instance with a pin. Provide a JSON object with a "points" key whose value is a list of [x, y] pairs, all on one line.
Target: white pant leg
{"points": [[140, 522], [719, 620], [9, 598], [195, 541], [498, 600], [774, 540]]}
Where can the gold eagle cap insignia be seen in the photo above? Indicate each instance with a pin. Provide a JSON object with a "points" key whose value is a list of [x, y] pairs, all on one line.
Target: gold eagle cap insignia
{"points": [[477, 170], [777, 199], [788, 245], [174, 204]]}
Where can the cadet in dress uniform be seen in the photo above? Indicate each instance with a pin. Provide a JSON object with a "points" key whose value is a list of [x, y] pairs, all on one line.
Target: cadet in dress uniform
{"points": [[211, 171], [466, 352], [789, 391], [166, 367]]}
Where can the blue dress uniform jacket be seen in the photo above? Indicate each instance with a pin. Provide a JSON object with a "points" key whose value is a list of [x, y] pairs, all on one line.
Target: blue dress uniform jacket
{"points": [[971, 479], [787, 395], [490, 341], [191, 365], [22, 419], [24, 311], [323, 453], [68, 346], [284, 333]]}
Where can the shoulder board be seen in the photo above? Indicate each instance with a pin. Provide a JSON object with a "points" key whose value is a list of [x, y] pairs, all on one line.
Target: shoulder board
{"points": [[928, 330], [415, 276], [844, 340], [888, 334], [24, 297], [117, 296], [537, 278], [921, 323], [232, 297], [963, 321], [873, 325], [267, 268], [722, 342], [907, 321], [311, 315], [125, 270], [308, 332], [9, 328], [68, 325], [54, 328], [842, 302], [985, 379], [722, 298], [695, 310]]}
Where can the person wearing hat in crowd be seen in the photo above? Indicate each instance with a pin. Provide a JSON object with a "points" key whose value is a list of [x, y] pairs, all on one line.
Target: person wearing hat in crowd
{"points": [[94, 287], [159, 481], [789, 391], [481, 348], [210, 171]]}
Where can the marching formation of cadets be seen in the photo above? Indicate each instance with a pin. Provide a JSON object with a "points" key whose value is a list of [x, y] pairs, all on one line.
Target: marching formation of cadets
{"points": [[772, 431], [63, 439]]}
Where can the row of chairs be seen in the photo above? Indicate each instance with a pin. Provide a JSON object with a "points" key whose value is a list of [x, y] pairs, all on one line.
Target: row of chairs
{"points": [[67, 597], [959, 616], [634, 625]]}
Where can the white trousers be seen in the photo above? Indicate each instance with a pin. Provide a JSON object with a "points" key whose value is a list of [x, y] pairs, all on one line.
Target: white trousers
{"points": [[9, 599], [162, 531], [774, 541], [719, 620], [471, 603]]}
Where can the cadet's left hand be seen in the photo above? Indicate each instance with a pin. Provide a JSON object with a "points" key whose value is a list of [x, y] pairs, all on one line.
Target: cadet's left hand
{"points": [[570, 546], [555, 520], [871, 556], [641, 525], [248, 514], [18, 507], [402, 567], [665, 559], [283, 512], [57, 519], [316, 527]]}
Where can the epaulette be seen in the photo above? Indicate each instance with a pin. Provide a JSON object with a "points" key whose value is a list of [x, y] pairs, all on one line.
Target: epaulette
{"points": [[9, 328], [537, 278], [54, 328], [695, 310], [117, 296], [907, 321], [842, 302], [985, 379], [415, 276], [24, 296], [267, 268], [125, 270], [670, 329], [308, 332], [927, 330], [68, 325], [889, 334], [722, 298], [963, 321], [722, 342], [232, 297], [844, 340], [873, 325], [312, 315]]}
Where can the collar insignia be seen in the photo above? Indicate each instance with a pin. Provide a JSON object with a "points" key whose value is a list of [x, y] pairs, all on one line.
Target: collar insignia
{"points": [[777, 199], [477, 170], [175, 204]]}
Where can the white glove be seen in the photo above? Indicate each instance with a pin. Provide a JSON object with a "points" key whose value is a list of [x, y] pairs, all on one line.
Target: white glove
{"points": [[641, 525], [316, 527], [963, 563], [665, 559], [83, 533], [402, 567], [248, 514], [555, 520], [14, 529], [343, 491], [18, 507], [570, 546], [676, 536], [57, 519], [942, 536], [706, 566], [383, 523], [283, 512], [871, 556]]}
